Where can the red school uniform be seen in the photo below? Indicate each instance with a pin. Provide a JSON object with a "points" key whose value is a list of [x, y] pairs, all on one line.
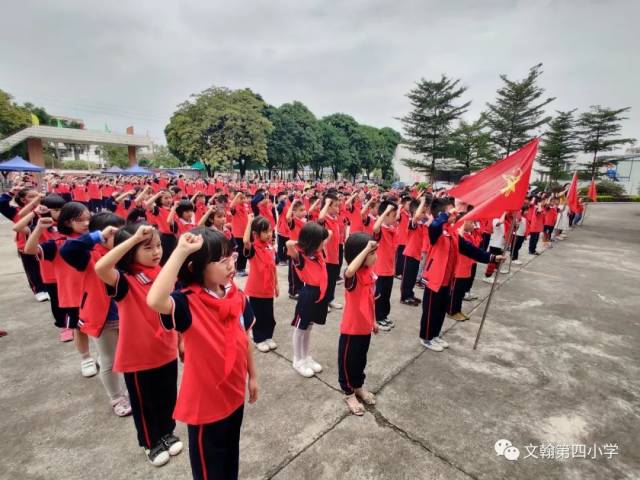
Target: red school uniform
{"points": [[401, 238], [386, 252], [262, 272], [415, 236], [239, 220], [355, 218], [550, 216], [312, 270], [68, 278], [215, 340], [465, 264], [295, 226], [142, 343], [47, 267], [332, 246], [359, 306]]}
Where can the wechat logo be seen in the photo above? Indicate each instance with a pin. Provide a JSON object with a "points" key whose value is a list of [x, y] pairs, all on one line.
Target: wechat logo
{"points": [[505, 448]]}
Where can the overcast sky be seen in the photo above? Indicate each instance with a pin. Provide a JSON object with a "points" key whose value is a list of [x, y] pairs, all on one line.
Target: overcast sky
{"points": [[132, 62]]}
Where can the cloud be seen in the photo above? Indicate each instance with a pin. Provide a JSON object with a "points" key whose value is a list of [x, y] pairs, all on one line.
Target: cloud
{"points": [[132, 62]]}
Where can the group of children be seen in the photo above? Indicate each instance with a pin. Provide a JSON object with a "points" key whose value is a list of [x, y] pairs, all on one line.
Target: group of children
{"points": [[145, 268]]}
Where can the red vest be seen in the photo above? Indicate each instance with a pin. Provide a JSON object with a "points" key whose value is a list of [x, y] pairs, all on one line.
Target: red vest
{"points": [[215, 361], [413, 247], [332, 246], [68, 279], [95, 300], [283, 228], [262, 272], [386, 259], [437, 259], [464, 264], [314, 272], [239, 220], [142, 343], [359, 305], [401, 238], [294, 232], [47, 267]]}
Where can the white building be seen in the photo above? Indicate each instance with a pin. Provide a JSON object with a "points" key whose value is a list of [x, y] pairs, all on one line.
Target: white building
{"points": [[404, 173]]}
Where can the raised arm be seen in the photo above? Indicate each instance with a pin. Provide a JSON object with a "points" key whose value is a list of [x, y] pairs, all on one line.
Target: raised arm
{"points": [[159, 296], [246, 237], [357, 262], [106, 266], [31, 247]]}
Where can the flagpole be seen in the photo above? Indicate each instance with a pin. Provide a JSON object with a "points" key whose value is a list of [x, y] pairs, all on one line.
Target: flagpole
{"points": [[493, 288]]}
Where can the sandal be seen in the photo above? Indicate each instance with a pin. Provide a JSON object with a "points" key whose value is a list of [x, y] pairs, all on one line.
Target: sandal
{"points": [[354, 405], [366, 396], [121, 406]]}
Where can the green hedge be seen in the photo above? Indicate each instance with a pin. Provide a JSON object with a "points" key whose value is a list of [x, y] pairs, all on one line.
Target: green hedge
{"points": [[611, 198]]}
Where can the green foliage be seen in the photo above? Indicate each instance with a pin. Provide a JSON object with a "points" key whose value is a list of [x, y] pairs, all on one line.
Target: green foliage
{"points": [[605, 187], [338, 153], [429, 124], [12, 116], [611, 198], [599, 130], [559, 145], [294, 140], [159, 157], [471, 145], [518, 111], [221, 127], [77, 165], [115, 155]]}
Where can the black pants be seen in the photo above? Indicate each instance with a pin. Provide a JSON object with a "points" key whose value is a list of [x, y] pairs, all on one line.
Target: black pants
{"points": [[434, 308], [265, 321], [214, 448], [60, 315], [168, 242], [352, 360], [295, 284], [533, 241], [458, 289], [32, 269], [95, 204], [333, 271], [474, 269], [282, 248], [340, 256], [384, 285], [486, 238], [153, 397], [516, 247], [241, 263], [400, 260], [409, 277]]}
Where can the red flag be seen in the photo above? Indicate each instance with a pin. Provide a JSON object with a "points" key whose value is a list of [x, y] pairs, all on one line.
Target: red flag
{"points": [[500, 187], [593, 193], [572, 194]]}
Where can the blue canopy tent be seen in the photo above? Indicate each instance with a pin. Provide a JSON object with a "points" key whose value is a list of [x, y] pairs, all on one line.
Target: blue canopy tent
{"points": [[137, 170], [113, 169], [19, 164]]}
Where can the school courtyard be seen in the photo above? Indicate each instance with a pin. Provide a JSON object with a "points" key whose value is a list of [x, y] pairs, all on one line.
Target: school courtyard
{"points": [[556, 373]]}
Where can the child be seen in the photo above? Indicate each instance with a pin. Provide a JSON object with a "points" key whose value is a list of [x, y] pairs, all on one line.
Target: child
{"points": [[403, 223], [262, 284], [463, 275], [216, 218], [283, 206], [312, 304], [73, 221], [496, 245], [98, 317], [384, 232], [535, 221], [328, 218], [182, 217], [439, 271], [521, 232], [213, 317], [296, 218], [413, 251], [146, 353], [239, 212], [357, 320], [159, 207]]}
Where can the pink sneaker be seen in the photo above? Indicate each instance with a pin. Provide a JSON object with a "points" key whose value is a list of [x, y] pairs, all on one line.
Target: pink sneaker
{"points": [[121, 406], [66, 335]]}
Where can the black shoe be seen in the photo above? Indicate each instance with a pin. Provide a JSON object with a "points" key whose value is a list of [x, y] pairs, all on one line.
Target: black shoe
{"points": [[293, 297], [158, 455], [172, 443]]}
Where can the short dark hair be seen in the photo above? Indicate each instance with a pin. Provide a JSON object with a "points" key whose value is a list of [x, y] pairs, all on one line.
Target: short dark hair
{"points": [[54, 201], [70, 211], [355, 244], [260, 224], [184, 206], [124, 234], [383, 206], [102, 220], [438, 205], [215, 247], [311, 236]]}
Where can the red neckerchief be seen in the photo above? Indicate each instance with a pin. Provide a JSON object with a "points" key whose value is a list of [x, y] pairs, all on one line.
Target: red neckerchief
{"points": [[226, 310], [144, 274]]}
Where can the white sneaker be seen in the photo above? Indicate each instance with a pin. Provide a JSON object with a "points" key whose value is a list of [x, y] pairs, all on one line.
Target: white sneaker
{"points": [[488, 279], [504, 270], [441, 342], [431, 345], [88, 367], [272, 345], [158, 455], [42, 297], [263, 346], [335, 305], [517, 262], [313, 365], [303, 369], [470, 296]]}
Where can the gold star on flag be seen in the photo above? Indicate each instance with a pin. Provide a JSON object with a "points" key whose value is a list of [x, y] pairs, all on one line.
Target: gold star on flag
{"points": [[511, 182]]}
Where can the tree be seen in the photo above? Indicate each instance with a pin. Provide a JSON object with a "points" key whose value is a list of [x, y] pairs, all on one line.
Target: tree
{"points": [[221, 127], [428, 125], [559, 145], [338, 153], [471, 146], [518, 111], [598, 130], [160, 157], [116, 155], [390, 140], [367, 143], [294, 140]]}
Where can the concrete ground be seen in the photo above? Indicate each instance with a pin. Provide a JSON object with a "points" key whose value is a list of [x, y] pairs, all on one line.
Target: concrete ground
{"points": [[556, 373]]}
